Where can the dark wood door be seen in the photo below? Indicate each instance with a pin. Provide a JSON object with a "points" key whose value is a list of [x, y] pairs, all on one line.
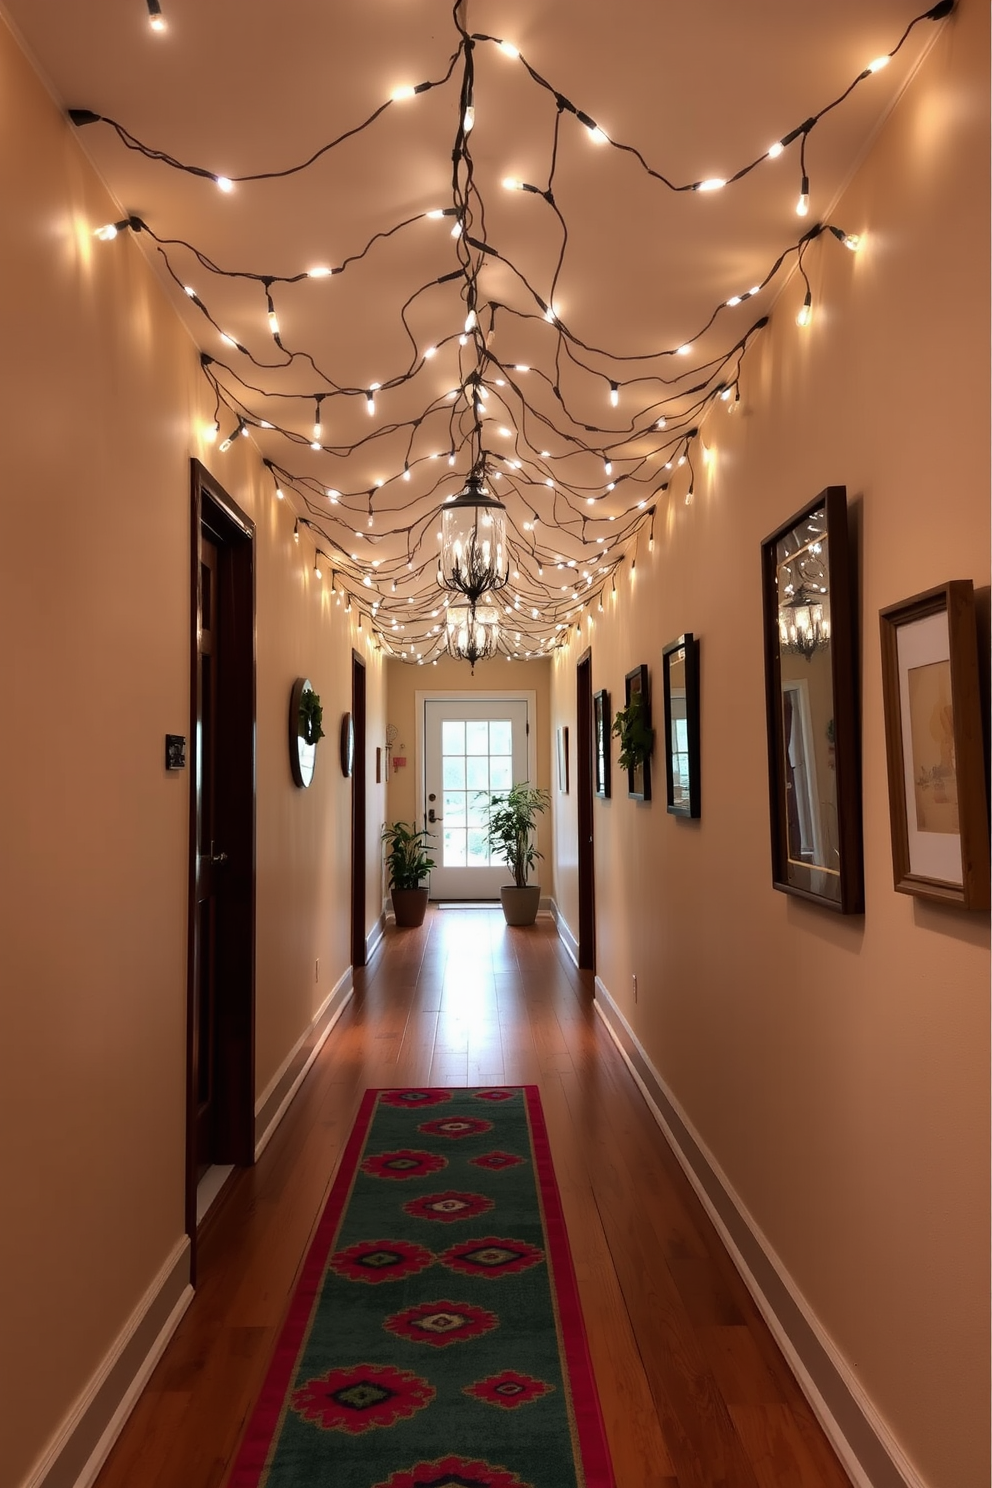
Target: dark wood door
{"points": [[221, 968], [358, 801], [210, 860], [584, 786]]}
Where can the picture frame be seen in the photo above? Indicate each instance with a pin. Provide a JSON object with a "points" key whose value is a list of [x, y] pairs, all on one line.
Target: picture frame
{"points": [[601, 760], [563, 759], [680, 686], [639, 778], [811, 702], [934, 746]]}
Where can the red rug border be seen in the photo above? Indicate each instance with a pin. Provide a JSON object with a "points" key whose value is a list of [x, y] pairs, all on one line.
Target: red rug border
{"points": [[264, 1418]]}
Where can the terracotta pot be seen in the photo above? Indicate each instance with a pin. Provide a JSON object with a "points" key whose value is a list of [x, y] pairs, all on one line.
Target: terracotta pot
{"points": [[520, 906], [409, 907]]}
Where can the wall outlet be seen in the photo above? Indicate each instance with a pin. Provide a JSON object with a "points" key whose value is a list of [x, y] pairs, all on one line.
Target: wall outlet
{"points": [[634, 980], [316, 970]]}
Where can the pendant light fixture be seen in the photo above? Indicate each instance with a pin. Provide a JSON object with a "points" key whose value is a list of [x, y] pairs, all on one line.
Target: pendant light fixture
{"points": [[474, 557], [473, 632]]}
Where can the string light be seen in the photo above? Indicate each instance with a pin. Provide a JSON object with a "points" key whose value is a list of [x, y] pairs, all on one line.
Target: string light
{"points": [[156, 19], [716, 378], [805, 314]]}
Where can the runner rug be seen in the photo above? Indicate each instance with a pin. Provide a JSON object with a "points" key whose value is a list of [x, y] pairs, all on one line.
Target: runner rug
{"points": [[434, 1339]]}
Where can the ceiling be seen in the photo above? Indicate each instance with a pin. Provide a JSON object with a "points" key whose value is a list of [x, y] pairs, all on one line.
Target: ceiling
{"points": [[631, 269]]}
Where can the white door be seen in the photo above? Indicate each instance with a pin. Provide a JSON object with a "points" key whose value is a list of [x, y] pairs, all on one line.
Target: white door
{"points": [[471, 748]]}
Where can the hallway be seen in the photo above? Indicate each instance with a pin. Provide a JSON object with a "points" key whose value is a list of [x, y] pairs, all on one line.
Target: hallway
{"points": [[694, 1391]]}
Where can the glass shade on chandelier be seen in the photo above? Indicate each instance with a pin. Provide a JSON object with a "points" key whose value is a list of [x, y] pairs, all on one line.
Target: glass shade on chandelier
{"points": [[474, 557], [473, 632], [804, 622]]}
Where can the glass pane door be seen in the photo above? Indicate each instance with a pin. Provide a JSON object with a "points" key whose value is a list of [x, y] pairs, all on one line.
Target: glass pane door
{"points": [[472, 748]]}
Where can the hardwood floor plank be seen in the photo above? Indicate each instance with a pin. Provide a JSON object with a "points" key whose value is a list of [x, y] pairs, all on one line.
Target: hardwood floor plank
{"points": [[694, 1392]]}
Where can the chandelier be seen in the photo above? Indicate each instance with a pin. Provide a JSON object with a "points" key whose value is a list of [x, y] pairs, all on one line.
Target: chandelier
{"points": [[474, 556], [804, 622], [473, 632]]}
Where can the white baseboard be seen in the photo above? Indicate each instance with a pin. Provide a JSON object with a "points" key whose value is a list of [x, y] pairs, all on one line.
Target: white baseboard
{"points": [[375, 936], [274, 1101], [568, 940], [863, 1441], [82, 1443]]}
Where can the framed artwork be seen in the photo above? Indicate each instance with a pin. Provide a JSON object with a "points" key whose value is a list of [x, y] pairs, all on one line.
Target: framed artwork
{"points": [[563, 759], [814, 772], [680, 683], [635, 684], [601, 743], [934, 747]]}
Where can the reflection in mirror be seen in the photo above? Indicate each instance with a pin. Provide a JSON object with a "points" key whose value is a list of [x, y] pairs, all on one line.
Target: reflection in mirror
{"points": [[678, 743], [803, 572]]}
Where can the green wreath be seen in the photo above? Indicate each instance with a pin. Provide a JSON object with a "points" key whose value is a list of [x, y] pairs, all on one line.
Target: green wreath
{"points": [[311, 716]]}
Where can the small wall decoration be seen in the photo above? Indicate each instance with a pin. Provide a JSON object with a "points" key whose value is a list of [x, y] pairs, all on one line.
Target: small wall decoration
{"points": [[811, 703], [378, 764], [305, 730], [680, 684], [175, 751], [632, 726], [563, 759], [601, 743], [347, 744], [934, 747]]}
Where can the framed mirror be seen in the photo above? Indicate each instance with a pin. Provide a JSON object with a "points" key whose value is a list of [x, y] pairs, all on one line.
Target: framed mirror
{"points": [[302, 753], [680, 683], [813, 760]]}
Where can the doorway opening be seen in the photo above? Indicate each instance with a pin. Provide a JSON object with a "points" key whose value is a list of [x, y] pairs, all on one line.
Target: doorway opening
{"points": [[584, 788], [220, 1024], [471, 746]]}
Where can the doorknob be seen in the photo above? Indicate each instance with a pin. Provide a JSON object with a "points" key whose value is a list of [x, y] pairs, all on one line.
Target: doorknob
{"points": [[432, 818]]}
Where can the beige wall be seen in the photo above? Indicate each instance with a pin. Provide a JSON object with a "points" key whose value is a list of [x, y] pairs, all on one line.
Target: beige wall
{"points": [[838, 1069], [102, 403], [403, 682]]}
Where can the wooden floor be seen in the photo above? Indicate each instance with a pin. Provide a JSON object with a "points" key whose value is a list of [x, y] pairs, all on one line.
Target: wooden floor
{"points": [[694, 1391]]}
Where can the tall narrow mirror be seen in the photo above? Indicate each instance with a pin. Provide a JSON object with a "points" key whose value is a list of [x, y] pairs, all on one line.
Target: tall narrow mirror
{"points": [[814, 775]]}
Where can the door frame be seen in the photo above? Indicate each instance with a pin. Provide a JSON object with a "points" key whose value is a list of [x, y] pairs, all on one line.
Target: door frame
{"points": [[359, 794], [584, 796], [234, 532], [471, 695]]}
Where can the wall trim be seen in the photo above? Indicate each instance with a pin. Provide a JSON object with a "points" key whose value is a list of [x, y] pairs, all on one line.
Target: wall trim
{"points": [[568, 940], [863, 1441], [274, 1101], [374, 938], [82, 1444]]}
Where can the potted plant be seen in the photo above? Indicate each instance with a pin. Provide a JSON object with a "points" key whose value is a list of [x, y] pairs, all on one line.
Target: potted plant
{"points": [[511, 819], [408, 863]]}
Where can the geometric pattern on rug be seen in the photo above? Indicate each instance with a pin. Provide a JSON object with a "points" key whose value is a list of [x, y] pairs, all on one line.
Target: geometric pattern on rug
{"points": [[508, 1390], [362, 1397], [454, 1472], [448, 1206], [404, 1363], [381, 1260], [442, 1322]]}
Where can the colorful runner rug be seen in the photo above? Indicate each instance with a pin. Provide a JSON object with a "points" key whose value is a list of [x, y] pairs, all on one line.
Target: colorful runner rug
{"points": [[435, 1338]]}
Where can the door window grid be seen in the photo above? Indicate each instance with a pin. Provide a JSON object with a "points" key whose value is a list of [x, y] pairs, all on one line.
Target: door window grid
{"points": [[476, 760]]}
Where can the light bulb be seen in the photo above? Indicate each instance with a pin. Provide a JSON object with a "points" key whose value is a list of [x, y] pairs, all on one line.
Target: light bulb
{"points": [[318, 430], [187, 289], [684, 350], [210, 433], [273, 323], [456, 231], [614, 394], [853, 241], [401, 94], [471, 321], [224, 182], [608, 467], [431, 351], [714, 183], [317, 570], [320, 272], [734, 300], [280, 494], [878, 64], [157, 22], [264, 424], [510, 183], [468, 119], [508, 49], [806, 311], [775, 150], [802, 205], [688, 497], [107, 233], [661, 424], [229, 339]]}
